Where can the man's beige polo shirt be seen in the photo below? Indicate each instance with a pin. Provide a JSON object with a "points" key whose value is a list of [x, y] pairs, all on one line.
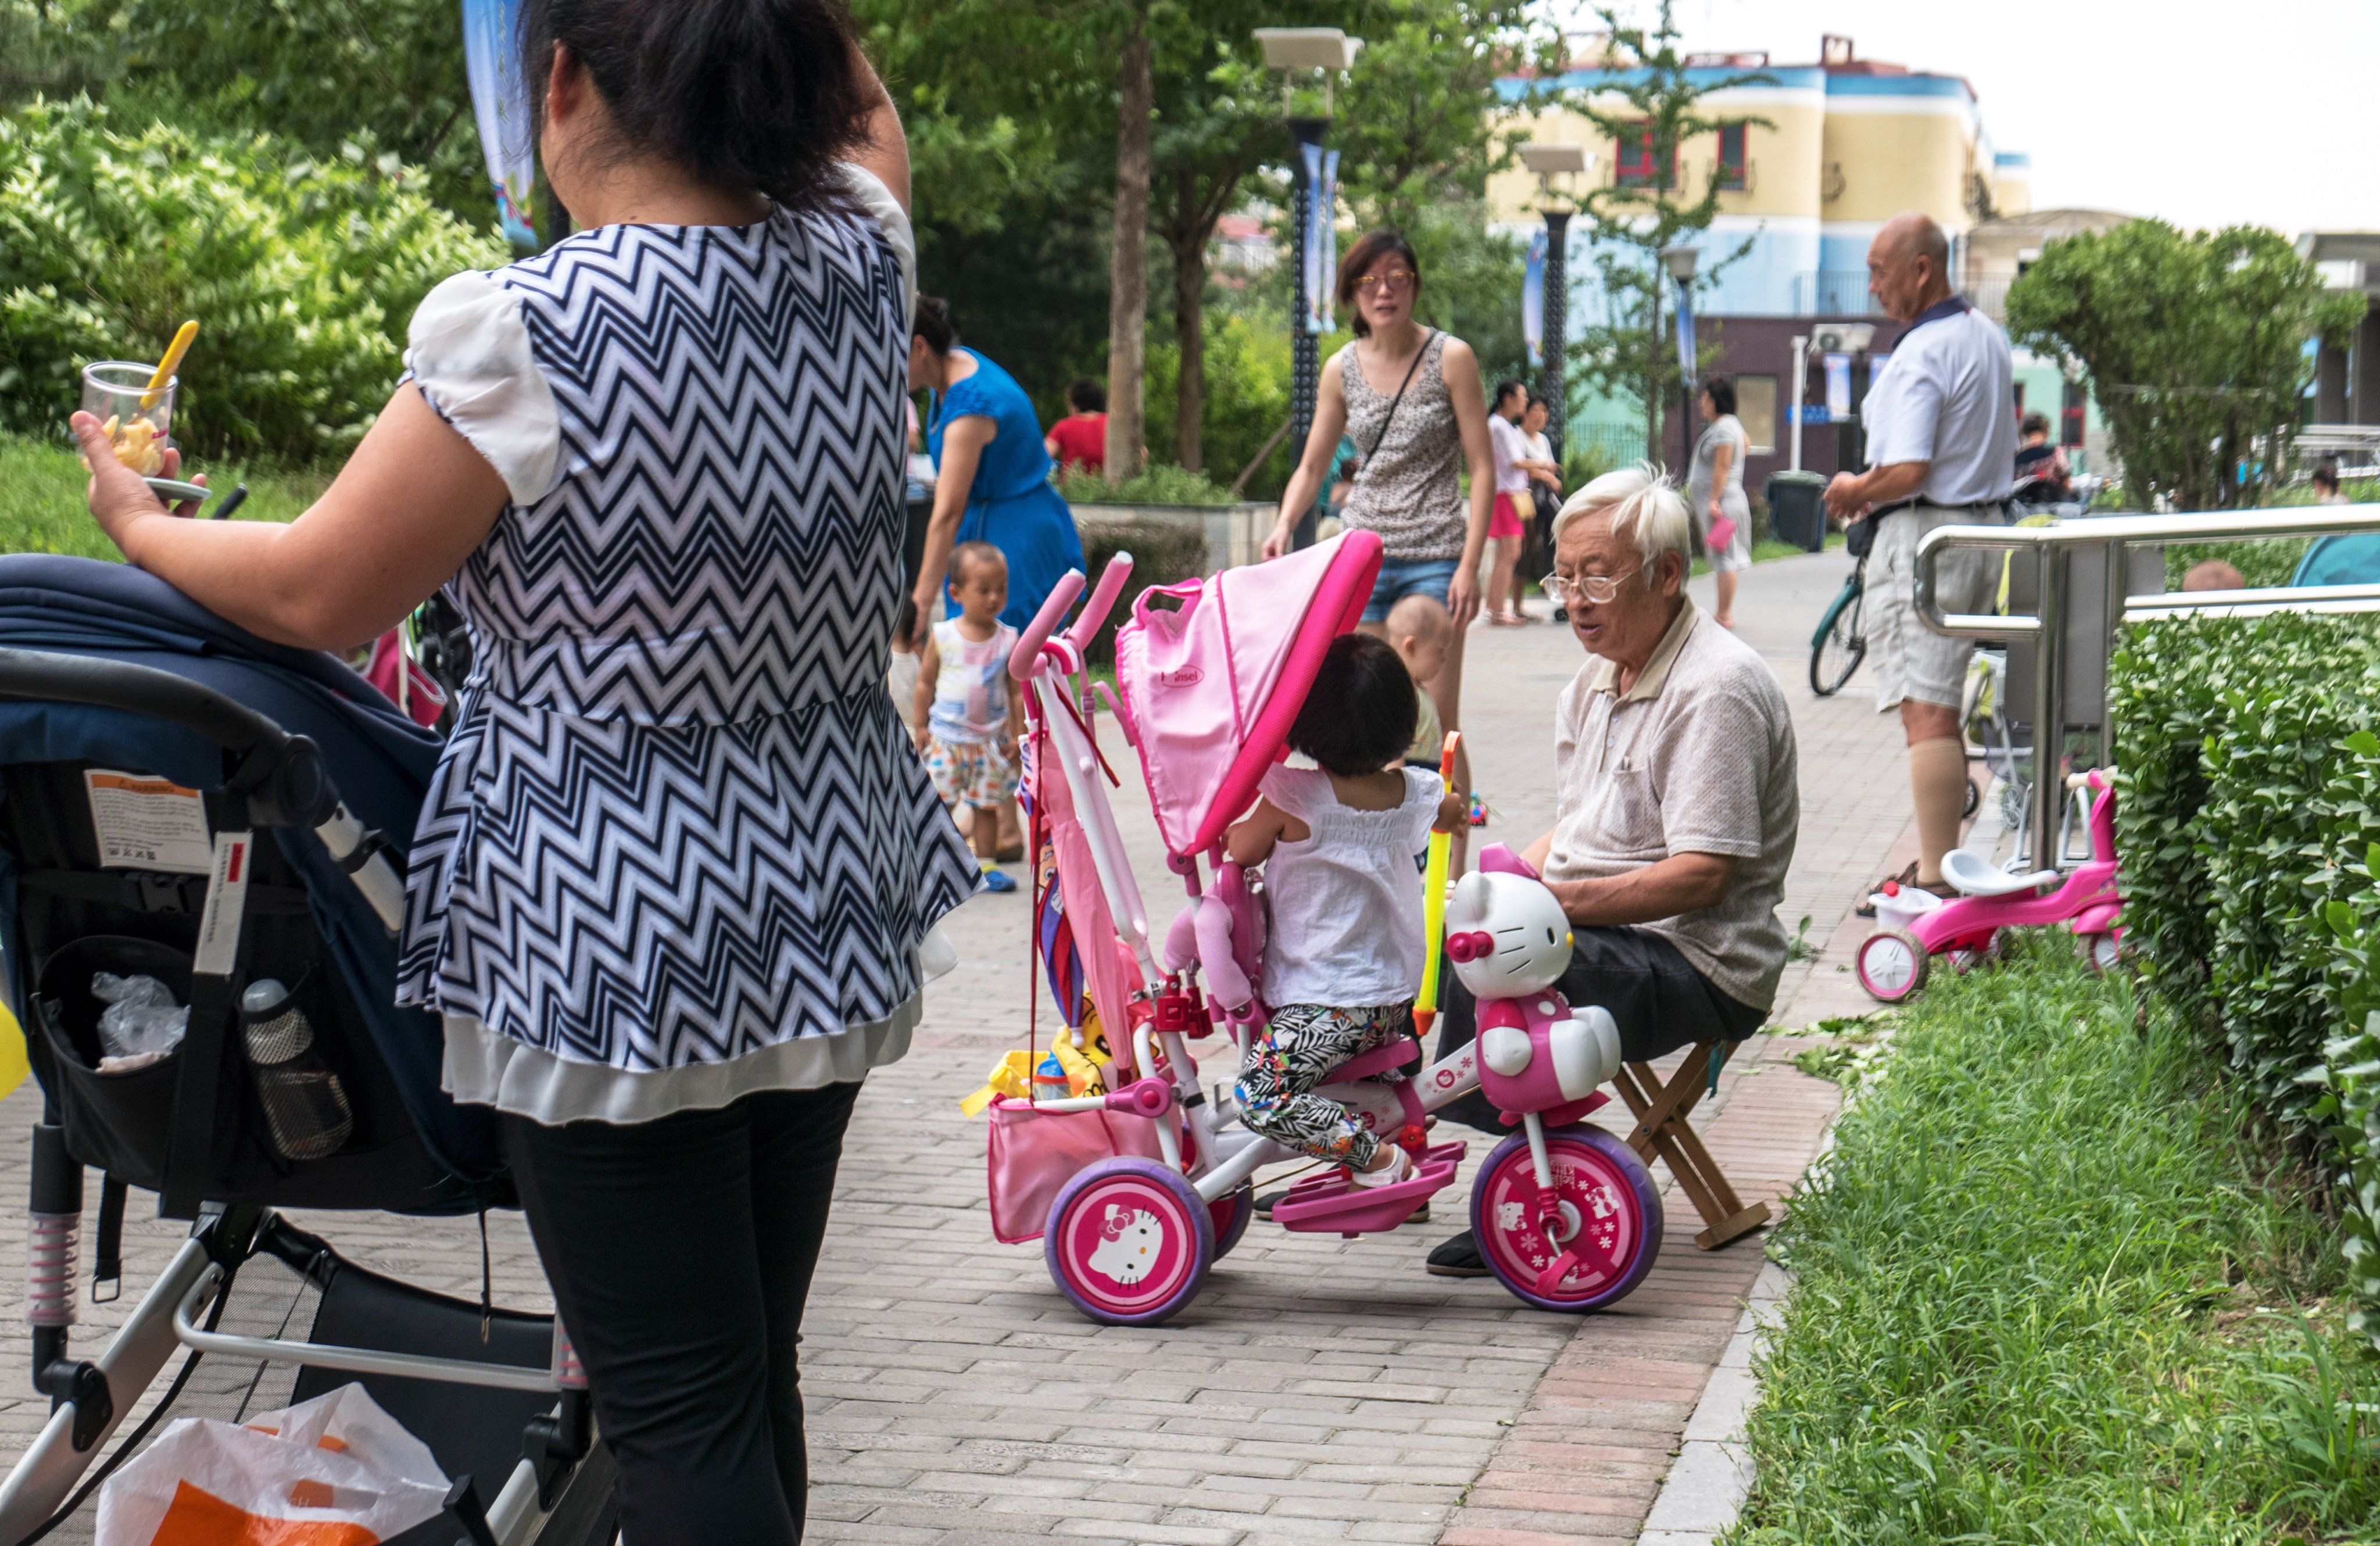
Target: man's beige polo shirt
{"points": [[1698, 758]]}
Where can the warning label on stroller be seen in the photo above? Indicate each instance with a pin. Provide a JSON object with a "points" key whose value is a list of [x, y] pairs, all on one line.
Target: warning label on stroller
{"points": [[148, 823]]}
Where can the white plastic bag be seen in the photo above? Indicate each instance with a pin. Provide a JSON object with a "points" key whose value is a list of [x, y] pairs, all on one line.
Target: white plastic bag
{"points": [[140, 1024], [333, 1471]]}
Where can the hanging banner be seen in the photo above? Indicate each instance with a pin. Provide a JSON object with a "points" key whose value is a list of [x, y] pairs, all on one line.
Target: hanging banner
{"points": [[1686, 329], [1321, 236], [1838, 387], [500, 100], [1533, 300]]}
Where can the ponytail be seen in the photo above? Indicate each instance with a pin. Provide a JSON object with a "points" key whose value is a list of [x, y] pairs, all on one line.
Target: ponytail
{"points": [[767, 94]]}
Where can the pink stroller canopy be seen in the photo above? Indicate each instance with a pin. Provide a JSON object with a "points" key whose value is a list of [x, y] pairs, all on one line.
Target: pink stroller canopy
{"points": [[1210, 690]]}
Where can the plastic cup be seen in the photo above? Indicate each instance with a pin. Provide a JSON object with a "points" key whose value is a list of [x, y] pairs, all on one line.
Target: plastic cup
{"points": [[112, 390]]}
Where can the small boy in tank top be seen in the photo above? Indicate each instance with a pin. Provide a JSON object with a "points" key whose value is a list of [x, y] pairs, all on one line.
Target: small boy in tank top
{"points": [[1344, 958], [967, 720]]}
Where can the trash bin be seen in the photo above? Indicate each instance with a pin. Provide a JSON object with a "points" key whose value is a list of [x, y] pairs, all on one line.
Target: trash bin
{"points": [[1797, 512]]}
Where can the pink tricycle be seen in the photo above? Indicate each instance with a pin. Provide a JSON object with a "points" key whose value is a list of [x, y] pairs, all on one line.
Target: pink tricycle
{"points": [[1892, 961], [1139, 1181]]}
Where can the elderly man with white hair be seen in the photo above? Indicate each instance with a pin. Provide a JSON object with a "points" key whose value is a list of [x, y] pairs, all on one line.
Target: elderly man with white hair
{"points": [[1677, 797]]}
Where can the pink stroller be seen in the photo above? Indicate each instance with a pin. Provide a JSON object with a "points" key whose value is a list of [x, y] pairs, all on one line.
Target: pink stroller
{"points": [[1137, 1187]]}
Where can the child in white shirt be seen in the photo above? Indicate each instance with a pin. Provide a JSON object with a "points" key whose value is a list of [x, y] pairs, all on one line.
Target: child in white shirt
{"points": [[968, 720], [1338, 844]]}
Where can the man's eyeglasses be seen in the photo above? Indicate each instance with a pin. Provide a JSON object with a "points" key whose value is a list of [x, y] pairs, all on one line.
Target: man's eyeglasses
{"points": [[1595, 589], [1395, 279]]}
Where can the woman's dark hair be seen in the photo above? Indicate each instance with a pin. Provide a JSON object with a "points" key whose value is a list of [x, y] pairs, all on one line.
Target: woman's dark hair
{"points": [[1722, 394], [2326, 474], [1369, 250], [2035, 423], [1362, 712], [1538, 399], [1506, 388], [743, 93], [1085, 396], [932, 324]]}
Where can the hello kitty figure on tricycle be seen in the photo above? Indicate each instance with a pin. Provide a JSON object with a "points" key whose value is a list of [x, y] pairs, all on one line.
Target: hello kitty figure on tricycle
{"points": [[1137, 1182], [1891, 963]]}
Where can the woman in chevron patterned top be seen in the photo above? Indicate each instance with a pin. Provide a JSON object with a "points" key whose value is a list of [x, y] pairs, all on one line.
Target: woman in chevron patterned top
{"points": [[672, 887]]}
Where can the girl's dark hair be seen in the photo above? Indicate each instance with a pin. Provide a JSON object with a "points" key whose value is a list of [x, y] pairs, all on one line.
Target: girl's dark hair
{"points": [[932, 323], [742, 93], [1506, 388], [1369, 249], [1085, 396], [1362, 712], [1722, 394]]}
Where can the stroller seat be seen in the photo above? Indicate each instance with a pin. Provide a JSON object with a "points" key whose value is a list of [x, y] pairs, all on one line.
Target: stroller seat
{"points": [[184, 802]]}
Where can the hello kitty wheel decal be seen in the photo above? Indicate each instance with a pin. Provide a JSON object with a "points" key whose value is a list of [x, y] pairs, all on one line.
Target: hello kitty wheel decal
{"points": [[1129, 1242], [1611, 1219]]}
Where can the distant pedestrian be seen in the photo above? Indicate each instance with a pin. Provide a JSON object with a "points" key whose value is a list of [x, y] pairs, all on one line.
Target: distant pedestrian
{"points": [[2043, 476], [967, 720], [1081, 438], [2325, 484], [1410, 396], [1715, 489], [993, 483], [1545, 492], [1508, 524], [1941, 447]]}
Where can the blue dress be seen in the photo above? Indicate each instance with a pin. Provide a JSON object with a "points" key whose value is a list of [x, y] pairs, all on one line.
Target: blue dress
{"points": [[1011, 504]]}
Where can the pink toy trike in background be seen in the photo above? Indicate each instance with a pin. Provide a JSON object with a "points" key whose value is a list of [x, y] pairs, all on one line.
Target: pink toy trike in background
{"points": [[1892, 962], [1137, 1188]]}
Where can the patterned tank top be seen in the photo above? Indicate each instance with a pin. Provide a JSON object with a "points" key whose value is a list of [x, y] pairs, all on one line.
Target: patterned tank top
{"points": [[1408, 489]]}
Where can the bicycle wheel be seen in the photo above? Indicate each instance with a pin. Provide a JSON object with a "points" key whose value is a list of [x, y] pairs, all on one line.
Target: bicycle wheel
{"points": [[1840, 645]]}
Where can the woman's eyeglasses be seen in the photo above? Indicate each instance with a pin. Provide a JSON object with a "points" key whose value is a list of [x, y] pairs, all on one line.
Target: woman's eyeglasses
{"points": [[1595, 589], [1395, 279]]}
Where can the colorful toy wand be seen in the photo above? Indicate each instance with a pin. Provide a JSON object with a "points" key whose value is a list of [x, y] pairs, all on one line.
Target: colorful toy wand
{"points": [[1433, 901]]}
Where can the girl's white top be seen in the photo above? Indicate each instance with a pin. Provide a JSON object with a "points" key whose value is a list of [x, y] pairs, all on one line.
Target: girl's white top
{"points": [[1346, 902]]}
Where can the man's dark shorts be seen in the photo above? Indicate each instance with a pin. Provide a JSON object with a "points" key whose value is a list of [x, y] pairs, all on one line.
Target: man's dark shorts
{"points": [[1660, 1001]]}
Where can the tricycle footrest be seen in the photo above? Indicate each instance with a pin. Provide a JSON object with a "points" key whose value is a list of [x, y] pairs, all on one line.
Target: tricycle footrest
{"points": [[1332, 1204]]}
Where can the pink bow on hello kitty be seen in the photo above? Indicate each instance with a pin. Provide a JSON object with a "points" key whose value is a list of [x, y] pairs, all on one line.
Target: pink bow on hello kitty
{"points": [[1117, 1220], [1470, 944]]}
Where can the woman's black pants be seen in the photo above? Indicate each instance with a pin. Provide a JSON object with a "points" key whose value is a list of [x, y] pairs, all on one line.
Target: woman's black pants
{"points": [[680, 1251]]}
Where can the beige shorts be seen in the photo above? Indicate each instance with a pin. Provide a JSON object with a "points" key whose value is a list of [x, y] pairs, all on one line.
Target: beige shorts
{"points": [[1911, 661]]}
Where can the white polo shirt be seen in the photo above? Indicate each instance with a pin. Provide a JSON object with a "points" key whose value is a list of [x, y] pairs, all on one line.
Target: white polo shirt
{"points": [[1946, 396], [1511, 443]]}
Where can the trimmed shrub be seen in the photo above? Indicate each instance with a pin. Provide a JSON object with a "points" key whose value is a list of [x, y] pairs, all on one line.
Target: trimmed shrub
{"points": [[302, 274], [1162, 553]]}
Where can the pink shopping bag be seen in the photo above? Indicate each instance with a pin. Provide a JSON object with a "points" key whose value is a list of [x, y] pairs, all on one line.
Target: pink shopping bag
{"points": [[402, 681], [1031, 1155]]}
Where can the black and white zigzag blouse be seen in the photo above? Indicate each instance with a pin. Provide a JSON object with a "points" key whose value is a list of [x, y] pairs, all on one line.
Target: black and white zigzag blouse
{"points": [[679, 847]]}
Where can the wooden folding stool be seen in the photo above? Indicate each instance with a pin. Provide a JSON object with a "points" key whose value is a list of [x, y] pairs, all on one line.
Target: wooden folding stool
{"points": [[1661, 1112]]}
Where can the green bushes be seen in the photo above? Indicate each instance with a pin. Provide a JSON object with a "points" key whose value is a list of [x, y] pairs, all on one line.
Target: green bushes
{"points": [[2047, 1291], [1163, 553], [2247, 819], [302, 275]]}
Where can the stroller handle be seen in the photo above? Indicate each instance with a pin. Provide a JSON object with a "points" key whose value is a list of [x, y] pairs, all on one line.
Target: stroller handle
{"points": [[1022, 659], [281, 774]]}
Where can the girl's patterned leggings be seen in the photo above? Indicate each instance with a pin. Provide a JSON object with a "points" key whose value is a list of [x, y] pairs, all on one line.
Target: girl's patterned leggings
{"points": [[1290, 1055]]}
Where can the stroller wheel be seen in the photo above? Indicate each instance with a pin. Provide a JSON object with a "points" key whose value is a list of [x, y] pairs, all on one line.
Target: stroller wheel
{"points": [[1129, 1242], [1611, 1219], [1890, 965], [1230, 1214], [2101, 952]]}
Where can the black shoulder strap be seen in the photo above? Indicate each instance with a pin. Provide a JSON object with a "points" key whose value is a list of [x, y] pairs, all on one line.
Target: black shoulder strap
{"points": [[1429, 337]]}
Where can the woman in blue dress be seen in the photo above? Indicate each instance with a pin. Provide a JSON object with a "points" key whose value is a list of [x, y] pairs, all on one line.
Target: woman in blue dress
{"points": [[994, 473]]}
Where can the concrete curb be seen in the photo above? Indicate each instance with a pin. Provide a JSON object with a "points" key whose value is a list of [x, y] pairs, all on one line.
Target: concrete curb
{"points": [[1712, 1476]]}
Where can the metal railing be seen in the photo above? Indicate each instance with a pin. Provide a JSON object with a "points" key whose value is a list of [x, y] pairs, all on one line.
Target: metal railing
{"points": [[2046, 631], [1834, 292]]}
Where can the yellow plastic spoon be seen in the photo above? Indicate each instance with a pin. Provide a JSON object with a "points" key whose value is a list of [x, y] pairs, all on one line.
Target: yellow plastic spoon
{"points": [[166, 368]]}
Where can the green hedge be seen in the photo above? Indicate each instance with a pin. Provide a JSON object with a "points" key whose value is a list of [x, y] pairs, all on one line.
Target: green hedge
{"points": [[2247, 816], [301, 272], [1163, 553]]}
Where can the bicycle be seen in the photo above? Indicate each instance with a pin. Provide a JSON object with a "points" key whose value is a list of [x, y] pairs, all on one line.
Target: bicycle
{"points": [[1838, 646]]}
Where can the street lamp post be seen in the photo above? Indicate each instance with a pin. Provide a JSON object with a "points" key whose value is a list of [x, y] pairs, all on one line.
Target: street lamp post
{"points": [[1679, 264], [1331, 52], [1548, 162]]}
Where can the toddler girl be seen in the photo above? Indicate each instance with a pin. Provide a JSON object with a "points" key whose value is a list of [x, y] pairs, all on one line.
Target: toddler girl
{"points": [[1338, 844]]}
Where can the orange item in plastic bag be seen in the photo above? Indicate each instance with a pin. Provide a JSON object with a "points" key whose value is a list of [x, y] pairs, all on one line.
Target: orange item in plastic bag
{"points": [[197, 1518]]}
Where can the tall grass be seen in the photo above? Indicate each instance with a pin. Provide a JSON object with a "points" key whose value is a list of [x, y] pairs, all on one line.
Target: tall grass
{"points": [[41, 507], [2047, 1293]]}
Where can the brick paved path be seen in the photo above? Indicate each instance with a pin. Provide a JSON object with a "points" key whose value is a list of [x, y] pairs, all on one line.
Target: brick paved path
{"points": [[1318, 1389]]}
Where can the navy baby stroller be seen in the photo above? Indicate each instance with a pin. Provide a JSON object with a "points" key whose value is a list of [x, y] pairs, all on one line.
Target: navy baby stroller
{"points": [[181, 800]]}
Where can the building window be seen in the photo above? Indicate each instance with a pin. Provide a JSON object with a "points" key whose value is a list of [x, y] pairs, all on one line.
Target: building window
{"points": [[1634, 163], [1756, 407], [2069, 415], [1730, 172]]}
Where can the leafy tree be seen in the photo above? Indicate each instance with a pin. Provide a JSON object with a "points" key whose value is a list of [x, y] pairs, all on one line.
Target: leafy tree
{"points": [[1629, 222], [2194, 343]]}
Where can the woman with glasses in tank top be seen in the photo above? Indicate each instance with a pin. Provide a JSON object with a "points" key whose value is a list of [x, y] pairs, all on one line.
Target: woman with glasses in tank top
{"points": [[1410, 397]]}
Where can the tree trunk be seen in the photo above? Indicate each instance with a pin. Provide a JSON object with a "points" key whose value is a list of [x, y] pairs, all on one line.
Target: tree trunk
{"points": [[1128, 279], [1188, 239]]}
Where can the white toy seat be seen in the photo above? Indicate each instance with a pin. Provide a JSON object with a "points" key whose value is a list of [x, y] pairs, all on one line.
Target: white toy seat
{"points": [[1977, 876]]}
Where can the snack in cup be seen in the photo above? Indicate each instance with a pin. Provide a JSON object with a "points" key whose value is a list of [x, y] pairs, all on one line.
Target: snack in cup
{"points": [[114, 393]]}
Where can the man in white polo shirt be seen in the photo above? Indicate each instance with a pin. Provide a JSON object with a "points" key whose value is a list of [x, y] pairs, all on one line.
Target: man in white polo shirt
{"points": [[1941, 449]]}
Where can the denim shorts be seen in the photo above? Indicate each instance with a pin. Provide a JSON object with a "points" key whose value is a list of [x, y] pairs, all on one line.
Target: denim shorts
{"points": [[1400, 578]]}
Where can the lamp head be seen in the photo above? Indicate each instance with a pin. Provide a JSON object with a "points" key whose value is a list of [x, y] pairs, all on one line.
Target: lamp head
{"points": [[1307, 48], [1680, 261]]}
